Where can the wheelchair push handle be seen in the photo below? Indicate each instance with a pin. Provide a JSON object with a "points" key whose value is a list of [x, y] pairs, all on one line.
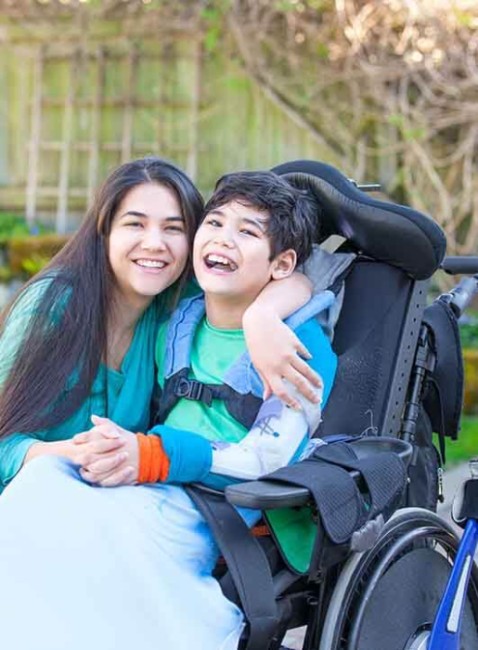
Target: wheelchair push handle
{"points": [[460, 297], [460, 265]]}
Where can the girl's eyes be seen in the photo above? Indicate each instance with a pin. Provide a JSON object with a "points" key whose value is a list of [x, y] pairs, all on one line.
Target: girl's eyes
{"points": [[246, 231], [140, 225]]}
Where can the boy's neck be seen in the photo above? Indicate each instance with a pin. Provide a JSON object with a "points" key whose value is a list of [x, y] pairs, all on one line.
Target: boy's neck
{"points": [[225, 313]]}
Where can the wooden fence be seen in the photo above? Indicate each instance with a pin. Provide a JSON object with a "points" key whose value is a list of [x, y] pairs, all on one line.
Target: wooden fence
{"points": [[74, 108]]}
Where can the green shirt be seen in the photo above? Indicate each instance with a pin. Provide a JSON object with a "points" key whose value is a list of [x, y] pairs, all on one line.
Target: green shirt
{"points": [[213, 352]]}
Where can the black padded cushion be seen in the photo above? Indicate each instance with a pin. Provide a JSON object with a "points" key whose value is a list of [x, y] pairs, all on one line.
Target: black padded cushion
{"points": [[388, 232], [366, 341]]}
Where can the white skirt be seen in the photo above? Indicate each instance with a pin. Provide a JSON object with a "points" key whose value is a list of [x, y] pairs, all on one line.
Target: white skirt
{"points": [[121, 568]]}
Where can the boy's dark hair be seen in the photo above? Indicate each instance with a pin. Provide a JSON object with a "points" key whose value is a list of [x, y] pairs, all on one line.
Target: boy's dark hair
{"points": [[293, 219]]}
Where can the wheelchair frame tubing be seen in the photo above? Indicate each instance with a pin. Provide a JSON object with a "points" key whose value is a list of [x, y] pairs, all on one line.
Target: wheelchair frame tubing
{"points": [[445, 633]]}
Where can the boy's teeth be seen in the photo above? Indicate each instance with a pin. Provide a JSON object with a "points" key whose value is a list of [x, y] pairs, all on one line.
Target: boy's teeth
{"points": [[152, 264], [219, 259]]}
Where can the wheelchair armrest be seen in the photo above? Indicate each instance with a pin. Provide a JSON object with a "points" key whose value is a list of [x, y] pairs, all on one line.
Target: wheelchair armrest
{"points": [[266, 495], [269, 495]]}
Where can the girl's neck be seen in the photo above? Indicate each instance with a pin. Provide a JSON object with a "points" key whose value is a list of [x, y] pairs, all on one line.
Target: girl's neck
{"points": [[124, 314], [122, 321]]}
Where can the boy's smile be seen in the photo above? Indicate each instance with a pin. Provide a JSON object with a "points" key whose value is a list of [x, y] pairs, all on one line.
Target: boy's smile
{"points": [[220, 263], [232, 257]]}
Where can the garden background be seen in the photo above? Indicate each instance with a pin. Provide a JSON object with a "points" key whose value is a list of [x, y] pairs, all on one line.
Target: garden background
{"points": [[386, 90]]}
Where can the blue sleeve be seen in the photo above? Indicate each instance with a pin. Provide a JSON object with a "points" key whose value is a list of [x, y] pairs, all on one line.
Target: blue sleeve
{"points": [[324, 359], [189, 454]]}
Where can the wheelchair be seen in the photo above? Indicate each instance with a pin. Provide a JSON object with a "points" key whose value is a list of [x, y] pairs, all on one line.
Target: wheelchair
{"points": [[400, 378]]}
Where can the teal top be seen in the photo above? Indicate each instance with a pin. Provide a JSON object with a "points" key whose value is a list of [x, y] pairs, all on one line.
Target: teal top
{"points": [[125, 393]]}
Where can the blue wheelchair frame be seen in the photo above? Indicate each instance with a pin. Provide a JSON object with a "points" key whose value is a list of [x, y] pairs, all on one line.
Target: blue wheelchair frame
{"points": [[446, 629], [445, 633]]}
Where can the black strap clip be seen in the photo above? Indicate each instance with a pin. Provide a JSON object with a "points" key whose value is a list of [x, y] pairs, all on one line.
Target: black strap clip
{"points": [[194, 390]]}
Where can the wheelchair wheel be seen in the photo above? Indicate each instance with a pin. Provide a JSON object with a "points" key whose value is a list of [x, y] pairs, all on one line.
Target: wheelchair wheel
{"points": [[388, 596]]}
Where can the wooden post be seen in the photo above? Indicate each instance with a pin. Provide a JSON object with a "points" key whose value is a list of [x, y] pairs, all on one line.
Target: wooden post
{"points": [[192, 159], [93, 165], [67, 137], [128, 106], [35, 133]]}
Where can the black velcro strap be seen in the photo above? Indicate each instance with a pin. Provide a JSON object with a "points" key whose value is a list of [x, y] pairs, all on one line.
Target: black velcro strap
{"points": [[384, 474], [342, 507], [247, 563], [336, 496]]}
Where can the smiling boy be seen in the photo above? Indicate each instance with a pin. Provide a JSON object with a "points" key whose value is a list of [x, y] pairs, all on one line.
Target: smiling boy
{"points": [[256, 229]]}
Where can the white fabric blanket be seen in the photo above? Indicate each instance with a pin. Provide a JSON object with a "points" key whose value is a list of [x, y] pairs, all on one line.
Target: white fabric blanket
{"points": [[107, 569]]}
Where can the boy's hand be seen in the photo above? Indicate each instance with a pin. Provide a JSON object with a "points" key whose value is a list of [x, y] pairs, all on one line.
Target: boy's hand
{"points": [[108, 469], [278, 355]]}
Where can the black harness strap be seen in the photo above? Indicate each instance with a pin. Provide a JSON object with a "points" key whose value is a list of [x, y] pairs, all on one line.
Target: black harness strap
{"points": [[242, 407], [247, 564]]}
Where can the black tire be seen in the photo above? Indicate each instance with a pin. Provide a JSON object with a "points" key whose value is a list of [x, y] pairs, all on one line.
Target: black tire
{"points": [[389, 595]]}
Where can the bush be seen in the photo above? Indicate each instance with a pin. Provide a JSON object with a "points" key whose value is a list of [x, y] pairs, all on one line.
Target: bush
{"points": [[469, 334], [28, 255], [13, 226]]}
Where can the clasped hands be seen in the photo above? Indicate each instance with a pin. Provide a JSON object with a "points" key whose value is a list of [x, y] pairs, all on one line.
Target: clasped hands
{"points": [[107, 454]]}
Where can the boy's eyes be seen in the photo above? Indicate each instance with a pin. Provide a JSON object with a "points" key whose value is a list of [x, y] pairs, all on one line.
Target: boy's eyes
{"points": [[247, 231], [213, 222], [176, 228]]}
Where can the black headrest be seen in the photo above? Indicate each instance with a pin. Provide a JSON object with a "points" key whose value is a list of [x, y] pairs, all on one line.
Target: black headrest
{"points": [[387, 232]]}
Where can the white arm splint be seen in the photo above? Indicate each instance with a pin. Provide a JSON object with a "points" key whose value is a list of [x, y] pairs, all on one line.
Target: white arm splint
{"points": [[277, 435]]}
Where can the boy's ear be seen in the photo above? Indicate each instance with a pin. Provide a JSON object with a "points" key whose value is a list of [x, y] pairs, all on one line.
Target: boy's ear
{"points": [[284, 264]]}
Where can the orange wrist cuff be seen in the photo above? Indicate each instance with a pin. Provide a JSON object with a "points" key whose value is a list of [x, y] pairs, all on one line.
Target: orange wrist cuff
{"points": [[153, 461]]}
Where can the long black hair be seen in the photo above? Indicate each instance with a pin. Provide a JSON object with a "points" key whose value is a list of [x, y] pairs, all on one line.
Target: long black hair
{"points": [[66, 337]]}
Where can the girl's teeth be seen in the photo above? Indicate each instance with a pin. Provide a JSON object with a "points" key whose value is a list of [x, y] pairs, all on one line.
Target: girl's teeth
{"points": [[153, 264]]}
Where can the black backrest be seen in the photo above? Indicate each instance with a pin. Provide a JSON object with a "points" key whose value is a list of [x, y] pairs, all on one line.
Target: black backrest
{"points": [[375, 340]]}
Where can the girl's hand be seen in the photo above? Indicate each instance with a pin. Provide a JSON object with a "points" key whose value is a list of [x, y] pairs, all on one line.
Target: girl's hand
{"points": [[83, 449], [278, 355], [109, 469]]}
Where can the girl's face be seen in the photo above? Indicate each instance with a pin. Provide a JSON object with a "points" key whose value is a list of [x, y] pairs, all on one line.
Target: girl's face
{"points": [[147, 246]]}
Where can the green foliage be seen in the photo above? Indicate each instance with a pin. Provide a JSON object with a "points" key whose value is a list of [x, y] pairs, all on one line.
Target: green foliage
{"points": [[34, 264], [466, 446], [469, 334], [12, 225], [464, 18], [408, 133], [6, 274], [213, 18], [28, 255], [323, 51]]}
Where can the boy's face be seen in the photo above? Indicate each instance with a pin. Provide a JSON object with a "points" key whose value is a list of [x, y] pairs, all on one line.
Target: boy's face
{"points": [[232, 251]]}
